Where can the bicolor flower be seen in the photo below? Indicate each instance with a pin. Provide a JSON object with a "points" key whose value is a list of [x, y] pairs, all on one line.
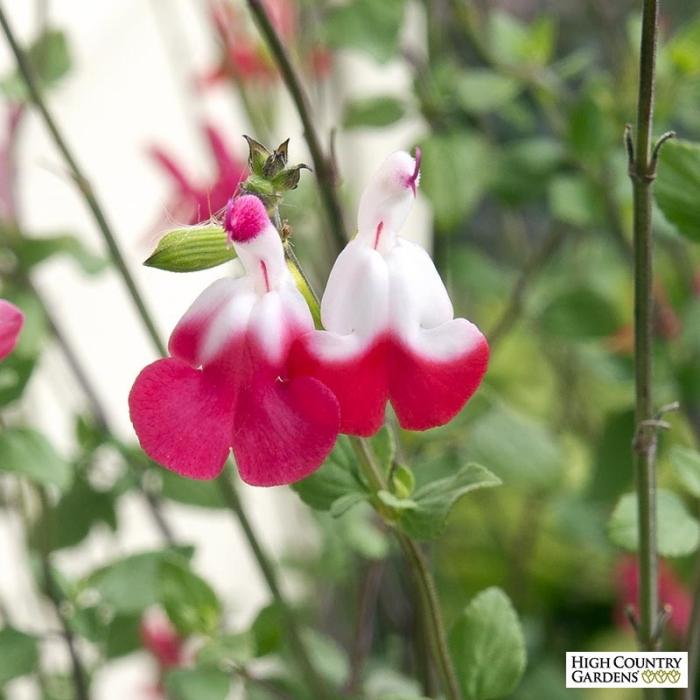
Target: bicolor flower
{"points": [[11, 322], [193, 202], [390, 332], [227, 385]]}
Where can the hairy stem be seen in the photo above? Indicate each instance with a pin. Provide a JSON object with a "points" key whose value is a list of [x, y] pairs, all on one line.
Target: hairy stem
{"points": [[325, 174], [642, 172], [81, 181], [230, 494]]}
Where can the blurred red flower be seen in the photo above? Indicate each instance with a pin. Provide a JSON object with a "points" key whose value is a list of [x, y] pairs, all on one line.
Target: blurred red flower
{"points": [[193, 203], [672, 591], [245, 57], [161, 639]]}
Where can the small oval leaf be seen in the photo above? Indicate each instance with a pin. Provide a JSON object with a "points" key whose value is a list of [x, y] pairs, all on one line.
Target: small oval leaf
{"points": [[191, 249]]}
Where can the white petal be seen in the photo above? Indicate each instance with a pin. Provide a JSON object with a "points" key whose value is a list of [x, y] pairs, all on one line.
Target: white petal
{"points": [[263, 260], [356, 299], [231, 319], [387, 200], [418, 296], [276, 320]]}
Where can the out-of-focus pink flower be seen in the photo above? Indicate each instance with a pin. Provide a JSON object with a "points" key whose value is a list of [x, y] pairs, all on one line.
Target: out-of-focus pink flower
{"points": [[193, 202], [161, 639], [245, 56], [671, 591], [11, 322]]}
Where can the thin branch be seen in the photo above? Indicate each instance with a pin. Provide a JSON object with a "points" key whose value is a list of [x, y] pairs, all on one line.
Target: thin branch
{"points": [[642, 173], [80, 681], [364, 625], [325, 175], [532, 268]]}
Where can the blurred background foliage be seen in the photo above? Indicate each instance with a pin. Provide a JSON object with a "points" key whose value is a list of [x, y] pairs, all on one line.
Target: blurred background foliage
{"points": [[522, 105]]}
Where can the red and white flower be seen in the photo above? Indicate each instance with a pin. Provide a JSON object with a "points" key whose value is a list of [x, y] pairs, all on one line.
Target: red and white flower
{"points": [[390, 331], [11, 322], [227, 385]]}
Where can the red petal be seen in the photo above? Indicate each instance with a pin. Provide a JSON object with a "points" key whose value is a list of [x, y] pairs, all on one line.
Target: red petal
{"points": [[359, 382], [426, 392], [283, 429], [182, 417]]}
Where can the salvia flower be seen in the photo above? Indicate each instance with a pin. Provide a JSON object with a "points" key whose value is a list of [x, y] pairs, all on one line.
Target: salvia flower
{"points": [[194, 202], [11, 322], [390, 331], [227, 385]]}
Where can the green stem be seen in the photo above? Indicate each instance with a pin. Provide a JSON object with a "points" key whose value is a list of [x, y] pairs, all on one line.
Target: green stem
{"points": [[425, 584], [81, 181], [642, 172], [230, 495], [325, 175]]}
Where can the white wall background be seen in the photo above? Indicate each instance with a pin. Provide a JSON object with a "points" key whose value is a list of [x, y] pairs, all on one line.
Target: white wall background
{"points": [[125, 93]]}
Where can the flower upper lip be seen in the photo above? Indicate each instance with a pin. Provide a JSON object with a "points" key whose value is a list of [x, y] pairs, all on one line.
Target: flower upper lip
{"points": [[412, 181]]}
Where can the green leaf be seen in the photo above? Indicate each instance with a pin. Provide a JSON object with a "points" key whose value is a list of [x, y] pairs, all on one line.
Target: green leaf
{"points": [[613, 467], [188, 599], [27, 452], [678, 532], [460, 160], [197, 684], [191, 249], [531, 454], [267, 630], [33, 251], [578, 314], [228, 650], [70, 521], [572, 201], [482, 90], [203, 494], [435, 500], [123, 636], [50, 59], [131, 584], [395, 502], [512, 42], [15, 372], [19, 654], [677, 186], [373, 112], [366, 25], [337, 477], [686, 462], [488, 647], [384, 446], [343, 504]]}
